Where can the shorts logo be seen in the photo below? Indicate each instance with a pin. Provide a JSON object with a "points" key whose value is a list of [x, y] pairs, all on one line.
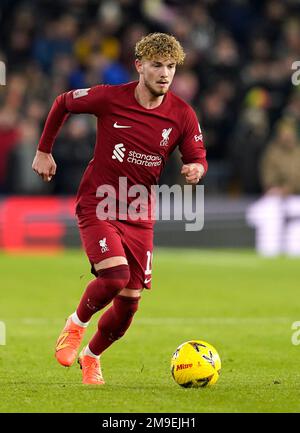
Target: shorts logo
{"points": [[119, 152], [103, 245], [165, 135]]}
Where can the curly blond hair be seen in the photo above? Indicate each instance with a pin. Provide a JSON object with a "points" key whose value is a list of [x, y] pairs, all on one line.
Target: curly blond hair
{"points": [[159, 45]]}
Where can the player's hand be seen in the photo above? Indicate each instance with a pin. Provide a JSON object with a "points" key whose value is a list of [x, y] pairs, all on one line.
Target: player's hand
{"points": [[44, 165], [192, 172]]}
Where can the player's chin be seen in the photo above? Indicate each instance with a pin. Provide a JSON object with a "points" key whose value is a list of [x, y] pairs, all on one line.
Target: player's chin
{"points": [[164, 90], [160, 93], [161, 90]]}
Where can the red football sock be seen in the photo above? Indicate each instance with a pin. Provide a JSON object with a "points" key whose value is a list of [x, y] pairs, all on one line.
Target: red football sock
{"points": [[101, 291], [114, 323]]}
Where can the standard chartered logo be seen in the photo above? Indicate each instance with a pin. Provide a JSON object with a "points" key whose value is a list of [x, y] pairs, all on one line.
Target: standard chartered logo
{"points": [[135, 157], [119, 152], [143, 159]]}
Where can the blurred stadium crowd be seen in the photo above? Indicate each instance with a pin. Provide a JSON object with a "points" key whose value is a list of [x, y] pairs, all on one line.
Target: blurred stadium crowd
{"points": [[237, 76]]}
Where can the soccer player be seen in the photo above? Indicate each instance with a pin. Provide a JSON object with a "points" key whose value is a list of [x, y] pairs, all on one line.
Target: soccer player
{"points": [[139, 124]]}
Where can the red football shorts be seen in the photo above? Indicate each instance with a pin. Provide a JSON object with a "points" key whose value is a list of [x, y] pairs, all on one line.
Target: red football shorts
{"points": [[104, 239]]}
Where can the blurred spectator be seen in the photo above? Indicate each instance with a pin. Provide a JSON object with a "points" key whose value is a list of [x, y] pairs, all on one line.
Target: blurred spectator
{"points": [[115, 73], [246, 148], [280, 167], [58, 38], [79, 136], [292, 108], [225, 56], [186, 86], [217, 122], [9, 136], [20, 36], [20, 177]]}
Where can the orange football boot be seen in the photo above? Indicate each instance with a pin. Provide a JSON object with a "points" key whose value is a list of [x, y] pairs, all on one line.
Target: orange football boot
{"points": [[91, 370], [68, 343]]}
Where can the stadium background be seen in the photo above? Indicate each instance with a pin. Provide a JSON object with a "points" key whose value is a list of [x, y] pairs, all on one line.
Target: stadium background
{"points": [[237, 76]]}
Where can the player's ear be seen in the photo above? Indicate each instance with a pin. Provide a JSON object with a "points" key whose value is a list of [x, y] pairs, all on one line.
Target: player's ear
{"points": [[139, 66]]}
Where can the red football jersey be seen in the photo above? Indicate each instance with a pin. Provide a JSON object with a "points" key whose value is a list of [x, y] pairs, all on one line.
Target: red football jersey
{"points": [[132, 142]]}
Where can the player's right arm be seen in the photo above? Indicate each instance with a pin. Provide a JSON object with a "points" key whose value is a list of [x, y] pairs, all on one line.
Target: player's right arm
{"points": [[92, 101], [44, 165]]}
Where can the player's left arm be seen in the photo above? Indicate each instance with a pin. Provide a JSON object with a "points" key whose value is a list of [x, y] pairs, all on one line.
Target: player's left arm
{"points": [[192, 149]]}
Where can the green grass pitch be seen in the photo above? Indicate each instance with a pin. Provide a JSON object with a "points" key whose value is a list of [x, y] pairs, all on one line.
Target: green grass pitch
{"points": [[242, 304]]}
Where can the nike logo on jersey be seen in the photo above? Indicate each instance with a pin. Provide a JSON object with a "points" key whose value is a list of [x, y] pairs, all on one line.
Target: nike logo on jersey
{"points": [[120, 126], [147, 280]]}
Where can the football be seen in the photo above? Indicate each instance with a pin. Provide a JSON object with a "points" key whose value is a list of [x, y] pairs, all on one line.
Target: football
{"points": [[195, 364]]}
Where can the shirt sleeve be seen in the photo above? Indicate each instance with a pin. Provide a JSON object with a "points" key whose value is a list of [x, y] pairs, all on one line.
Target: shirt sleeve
{"points": [[192, 147], [92, 101]]}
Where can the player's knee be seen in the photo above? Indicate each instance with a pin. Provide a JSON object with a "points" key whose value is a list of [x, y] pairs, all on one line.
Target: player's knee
{"points": [[127, 304], [134, 293], [106, 286], [115, 278]]}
